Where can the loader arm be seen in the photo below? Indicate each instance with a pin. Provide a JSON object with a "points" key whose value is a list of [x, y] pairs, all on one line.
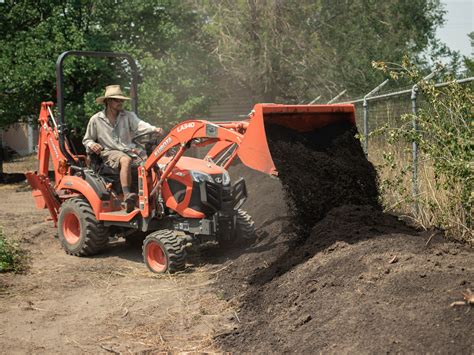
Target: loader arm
{"points": [[198, 133], [249, 136], [183, 136], [246, 139]]}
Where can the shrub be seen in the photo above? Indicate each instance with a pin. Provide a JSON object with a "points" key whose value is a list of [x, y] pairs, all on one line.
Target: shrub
{"points": [[11, 256], [444, 139]]}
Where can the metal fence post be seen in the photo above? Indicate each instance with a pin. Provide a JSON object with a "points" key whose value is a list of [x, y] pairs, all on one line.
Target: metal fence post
{"points": [[414, 93], [313, 101], [337, 96], [365, 105]]}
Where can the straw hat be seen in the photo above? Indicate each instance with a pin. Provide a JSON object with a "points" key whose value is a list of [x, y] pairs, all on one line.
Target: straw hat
{"points": [[112, 92]]}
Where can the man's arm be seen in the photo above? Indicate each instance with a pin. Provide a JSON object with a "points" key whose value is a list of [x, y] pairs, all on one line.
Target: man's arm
{"points": [[90, 138], [138, 126]]}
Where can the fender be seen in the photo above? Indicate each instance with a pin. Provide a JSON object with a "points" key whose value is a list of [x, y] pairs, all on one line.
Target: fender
{"points": [[77, 184]]}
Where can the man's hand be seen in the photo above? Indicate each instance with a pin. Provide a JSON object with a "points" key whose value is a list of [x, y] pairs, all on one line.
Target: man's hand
{"points": [[160, 131], [96, 148]]}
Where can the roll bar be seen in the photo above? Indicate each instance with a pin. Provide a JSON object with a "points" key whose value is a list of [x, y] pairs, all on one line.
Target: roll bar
{"points": [[62, 128]]}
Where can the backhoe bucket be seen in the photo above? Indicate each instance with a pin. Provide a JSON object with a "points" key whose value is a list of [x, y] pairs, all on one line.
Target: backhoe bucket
{"points": [[254, 151]]}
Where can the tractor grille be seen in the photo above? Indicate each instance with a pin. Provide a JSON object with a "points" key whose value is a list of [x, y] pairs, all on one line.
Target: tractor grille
{"points": [[209, 197]]}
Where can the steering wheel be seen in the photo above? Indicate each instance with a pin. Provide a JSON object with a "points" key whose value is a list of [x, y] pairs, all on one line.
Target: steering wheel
{"points": [[148, 141]]}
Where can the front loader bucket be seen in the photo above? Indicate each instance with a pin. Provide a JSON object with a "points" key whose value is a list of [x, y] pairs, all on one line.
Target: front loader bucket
{"points": [[254, 151]]}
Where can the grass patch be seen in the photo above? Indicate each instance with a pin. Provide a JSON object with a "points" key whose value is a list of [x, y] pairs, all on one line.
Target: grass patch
{"points": [[11, 256], [437, 206]]}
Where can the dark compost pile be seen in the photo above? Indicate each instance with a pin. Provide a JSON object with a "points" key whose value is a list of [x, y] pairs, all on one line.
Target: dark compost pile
{"points": [[331, 272]]}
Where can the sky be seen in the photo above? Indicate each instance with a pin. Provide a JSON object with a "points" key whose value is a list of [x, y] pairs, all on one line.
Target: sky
{"points": [[459, 22]]}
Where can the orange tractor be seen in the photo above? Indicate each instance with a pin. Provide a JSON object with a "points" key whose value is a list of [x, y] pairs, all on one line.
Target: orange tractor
{"points": [[182, 200]]}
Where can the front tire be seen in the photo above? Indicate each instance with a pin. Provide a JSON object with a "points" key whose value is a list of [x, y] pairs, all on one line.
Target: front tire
{"points": [[245, 228], [244, 233], [79, 231], [164, 251]]}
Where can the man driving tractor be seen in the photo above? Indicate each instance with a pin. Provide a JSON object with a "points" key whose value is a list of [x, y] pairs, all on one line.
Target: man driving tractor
{"points": [[109, 134]]}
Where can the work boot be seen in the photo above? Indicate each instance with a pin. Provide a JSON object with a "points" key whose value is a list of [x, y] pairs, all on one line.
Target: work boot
{"points": [[130, 200]]}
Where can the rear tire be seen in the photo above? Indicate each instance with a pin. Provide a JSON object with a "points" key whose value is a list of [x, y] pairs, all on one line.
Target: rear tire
{"points": [[164, 251], [79, 231]]}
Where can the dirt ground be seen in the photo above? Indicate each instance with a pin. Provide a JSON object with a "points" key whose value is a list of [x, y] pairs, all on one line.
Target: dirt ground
{"points": [[359, 281], [102, 304]]}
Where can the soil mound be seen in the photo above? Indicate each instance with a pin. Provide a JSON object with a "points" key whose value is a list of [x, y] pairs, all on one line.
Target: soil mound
{"points": [[332, 272], [323, 173], [364, 286]]}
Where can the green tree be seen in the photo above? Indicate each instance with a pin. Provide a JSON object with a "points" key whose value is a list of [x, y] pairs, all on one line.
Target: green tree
{"points": [[271, 47], [163, 35], [469, 61], [295, 50], [173, 52]]}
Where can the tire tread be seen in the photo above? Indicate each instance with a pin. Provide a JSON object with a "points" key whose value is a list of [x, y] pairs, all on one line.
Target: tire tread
{"points": [[174, 249], [96, 234]]}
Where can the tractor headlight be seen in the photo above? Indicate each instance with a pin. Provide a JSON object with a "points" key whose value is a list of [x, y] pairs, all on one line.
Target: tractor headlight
{"points": [[201, 177], [225, 178]]}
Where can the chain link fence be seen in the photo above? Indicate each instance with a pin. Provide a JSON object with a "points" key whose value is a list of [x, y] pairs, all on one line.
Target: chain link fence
{"points": [[378, 114]]}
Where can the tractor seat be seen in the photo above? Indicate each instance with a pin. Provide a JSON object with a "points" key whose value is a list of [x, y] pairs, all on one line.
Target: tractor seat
{"points": [[97, 164], [109, 174]]}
